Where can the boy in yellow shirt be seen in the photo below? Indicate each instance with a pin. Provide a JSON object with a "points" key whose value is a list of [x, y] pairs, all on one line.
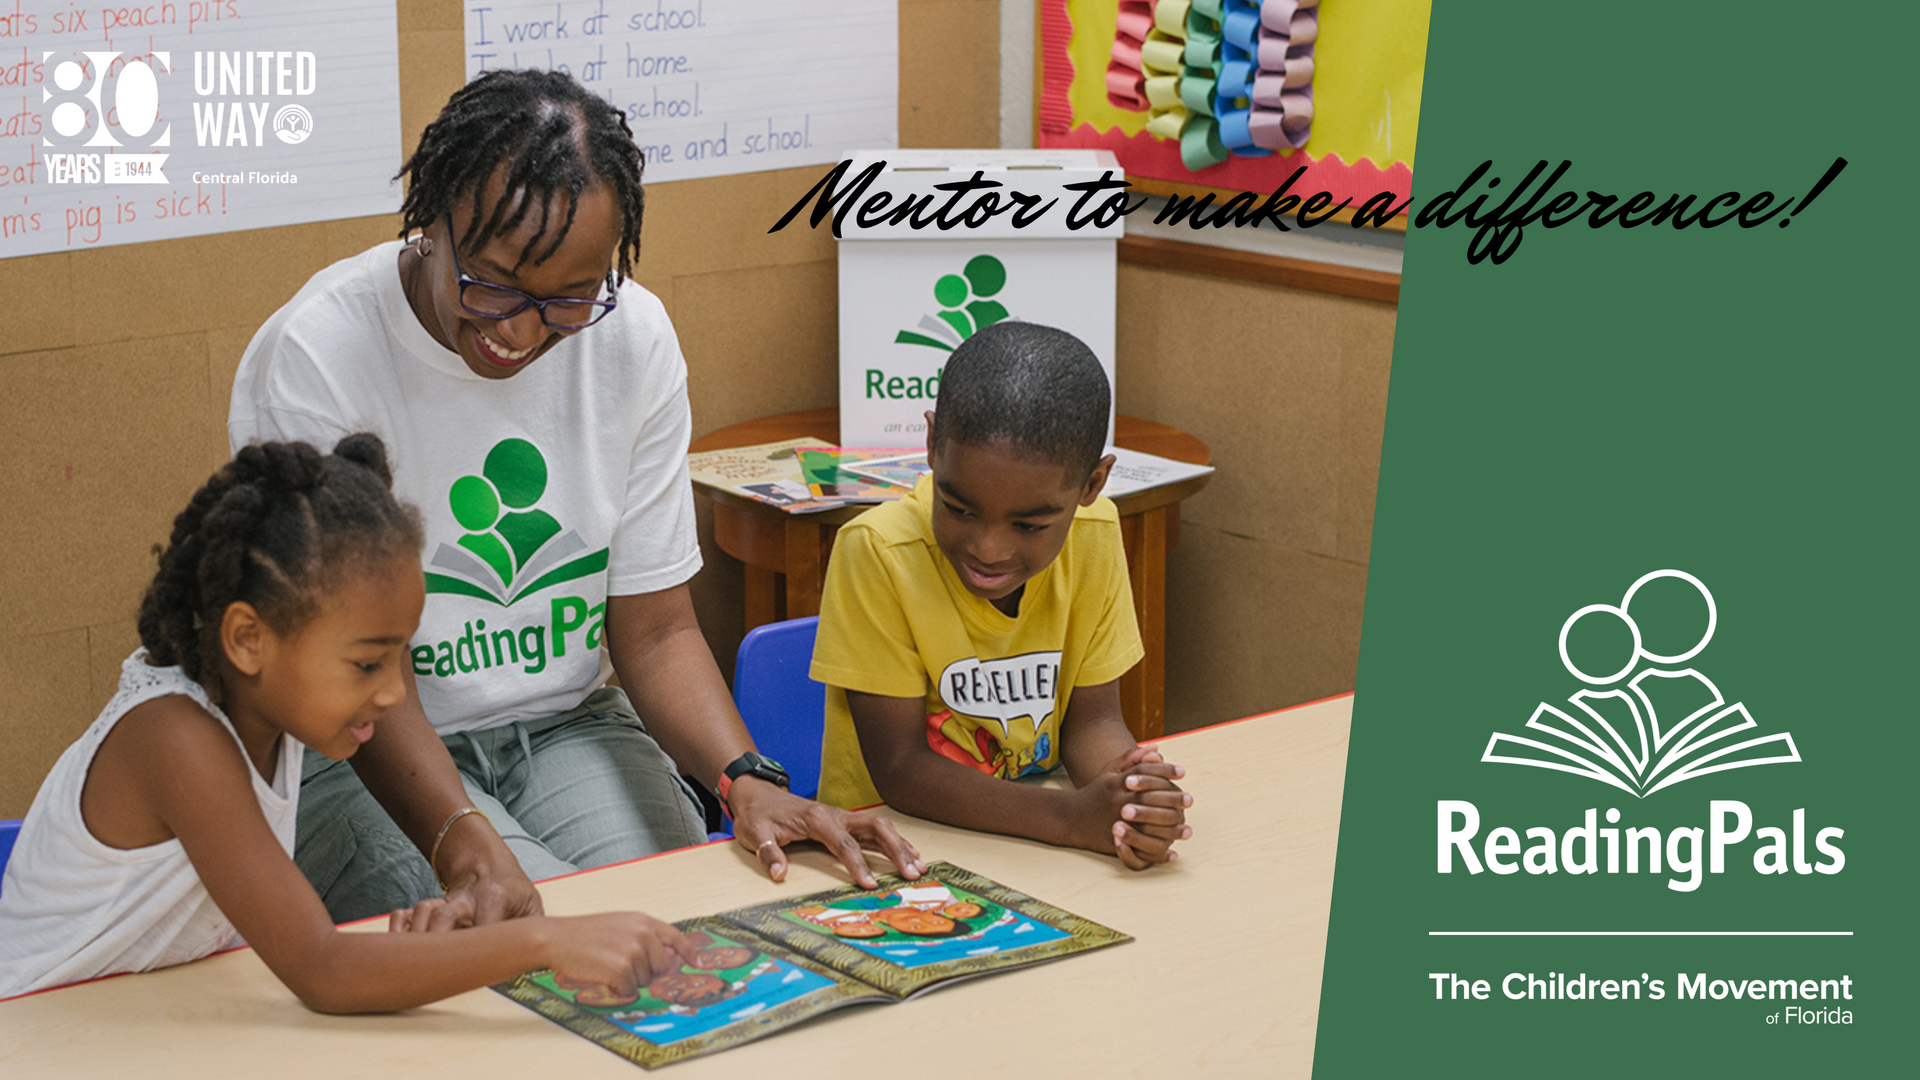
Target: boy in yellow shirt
{"points": [[976, 631]]}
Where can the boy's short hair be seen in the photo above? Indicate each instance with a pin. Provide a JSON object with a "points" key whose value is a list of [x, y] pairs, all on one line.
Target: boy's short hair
{"points": [[1038, 389]]}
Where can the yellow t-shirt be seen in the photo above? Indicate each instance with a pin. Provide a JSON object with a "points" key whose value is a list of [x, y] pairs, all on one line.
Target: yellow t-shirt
{"points": [[895, 620]]}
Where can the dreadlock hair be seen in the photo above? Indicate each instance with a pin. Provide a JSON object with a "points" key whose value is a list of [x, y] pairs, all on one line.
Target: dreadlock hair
{"points": [[280, 526], [549, 134], [1038, 390]]}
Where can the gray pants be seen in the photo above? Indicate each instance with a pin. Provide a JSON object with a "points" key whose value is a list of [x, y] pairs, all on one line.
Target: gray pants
{"points": [[569, 792]]}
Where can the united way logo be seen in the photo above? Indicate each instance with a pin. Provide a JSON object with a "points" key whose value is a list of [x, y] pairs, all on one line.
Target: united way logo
{"points": [[1650, 719], [293, 124]]}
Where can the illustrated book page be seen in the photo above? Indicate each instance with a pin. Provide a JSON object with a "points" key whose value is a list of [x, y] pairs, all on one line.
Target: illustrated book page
{"points": [[835, 472]]}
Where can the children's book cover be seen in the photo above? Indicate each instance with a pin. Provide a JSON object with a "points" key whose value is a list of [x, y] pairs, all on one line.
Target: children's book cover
{"points": [[767, 472], [898, 469], [800, 476], [764, 968], [832, 472]]}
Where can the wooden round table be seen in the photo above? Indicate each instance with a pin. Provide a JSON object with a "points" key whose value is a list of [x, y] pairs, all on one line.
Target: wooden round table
{"points": [[785, 555]]}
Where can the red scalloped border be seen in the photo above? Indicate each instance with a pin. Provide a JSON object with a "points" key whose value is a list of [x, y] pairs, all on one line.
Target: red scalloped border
{"points": [[1144, 155], [1056, 34]]}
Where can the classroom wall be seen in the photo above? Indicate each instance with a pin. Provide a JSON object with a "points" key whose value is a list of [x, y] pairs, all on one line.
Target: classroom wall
{"points": [[117, 363], [1288, 388]]}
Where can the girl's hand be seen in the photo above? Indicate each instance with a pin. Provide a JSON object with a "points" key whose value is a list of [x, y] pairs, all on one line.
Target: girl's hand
{"points": [[436, 913], [483, 872], [622, 950]]}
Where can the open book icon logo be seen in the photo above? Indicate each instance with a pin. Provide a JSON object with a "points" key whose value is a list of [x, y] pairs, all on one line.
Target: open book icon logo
{"points": [[509, 547], [965, 309], [1646, 731]]}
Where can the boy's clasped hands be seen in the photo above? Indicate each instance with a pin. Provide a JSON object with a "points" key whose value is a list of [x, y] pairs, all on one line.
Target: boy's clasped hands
{"points": [[1136, 807]]}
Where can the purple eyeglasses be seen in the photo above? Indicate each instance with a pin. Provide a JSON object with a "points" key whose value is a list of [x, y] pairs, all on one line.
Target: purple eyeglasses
{"points": [[490, 301]]}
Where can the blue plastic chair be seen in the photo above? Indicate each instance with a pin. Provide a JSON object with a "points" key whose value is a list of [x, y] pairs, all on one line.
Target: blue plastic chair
{"points": [[9, 832], [785, 711]]}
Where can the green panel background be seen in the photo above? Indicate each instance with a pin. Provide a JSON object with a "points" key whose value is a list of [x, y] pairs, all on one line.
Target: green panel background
{"points": [[1735, 403]]}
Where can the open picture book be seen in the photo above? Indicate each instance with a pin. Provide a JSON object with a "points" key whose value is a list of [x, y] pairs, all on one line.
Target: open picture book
{"points": [[767, 967]]}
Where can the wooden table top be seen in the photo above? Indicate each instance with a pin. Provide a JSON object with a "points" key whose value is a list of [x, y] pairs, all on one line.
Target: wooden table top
{"points": [[824, 424], [1223, 979]]}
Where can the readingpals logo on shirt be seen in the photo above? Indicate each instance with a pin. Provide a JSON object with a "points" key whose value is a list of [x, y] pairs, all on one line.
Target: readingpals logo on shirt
{"points": [[511, 548], [509, 551]]}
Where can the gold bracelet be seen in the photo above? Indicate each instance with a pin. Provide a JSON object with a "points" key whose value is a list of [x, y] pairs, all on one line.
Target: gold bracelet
{"points": [[433, 858]]}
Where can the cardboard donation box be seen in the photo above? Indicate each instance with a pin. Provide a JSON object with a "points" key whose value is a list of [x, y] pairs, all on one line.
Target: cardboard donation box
{"points": [[909, 296]]}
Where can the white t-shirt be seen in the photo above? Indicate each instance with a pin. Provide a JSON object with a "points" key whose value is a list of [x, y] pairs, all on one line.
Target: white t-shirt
{"points": [[72, 908], [542, 493]]}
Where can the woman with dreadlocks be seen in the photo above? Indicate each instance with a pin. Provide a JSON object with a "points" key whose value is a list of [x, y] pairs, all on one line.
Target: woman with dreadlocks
{"points": [[535, 401]]}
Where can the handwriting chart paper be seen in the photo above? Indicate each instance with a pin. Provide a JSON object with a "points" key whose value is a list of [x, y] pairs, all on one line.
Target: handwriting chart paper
{"points": [[219, 115], [712, 87]]}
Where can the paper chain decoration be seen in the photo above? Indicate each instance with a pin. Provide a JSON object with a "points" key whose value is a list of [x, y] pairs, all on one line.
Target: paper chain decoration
{"points": [[1221, 76]]}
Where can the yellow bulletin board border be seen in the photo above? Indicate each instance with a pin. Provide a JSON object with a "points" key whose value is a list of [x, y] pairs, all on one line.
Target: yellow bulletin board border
{"points": [[1369, 62]]}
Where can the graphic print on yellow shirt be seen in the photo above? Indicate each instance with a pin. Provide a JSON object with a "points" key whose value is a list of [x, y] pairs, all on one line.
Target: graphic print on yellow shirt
{"points": [[895, 620], [1017, 694]]}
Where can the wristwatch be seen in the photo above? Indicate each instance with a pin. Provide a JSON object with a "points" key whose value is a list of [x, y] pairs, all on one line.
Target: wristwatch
{"points": [[749, 764]]}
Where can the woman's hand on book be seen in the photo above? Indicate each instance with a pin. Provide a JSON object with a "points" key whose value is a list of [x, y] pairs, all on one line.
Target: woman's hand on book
{"points": [[767, 818], [620, 950]]}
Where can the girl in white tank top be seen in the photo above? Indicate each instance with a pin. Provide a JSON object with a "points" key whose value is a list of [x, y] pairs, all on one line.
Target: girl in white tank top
{"points": [[280, 618]]}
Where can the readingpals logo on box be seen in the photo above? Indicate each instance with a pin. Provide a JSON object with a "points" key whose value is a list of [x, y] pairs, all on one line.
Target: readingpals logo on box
{"points": [[920, 276], [1649, 722], [966, 308]]}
